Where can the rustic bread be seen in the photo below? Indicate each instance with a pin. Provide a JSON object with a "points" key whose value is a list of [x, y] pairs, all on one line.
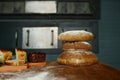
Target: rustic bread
{"points": [[76, 35], [20, 54], [81, 45], [14, 62], [5, 55], [77, 58], [37, 57]]}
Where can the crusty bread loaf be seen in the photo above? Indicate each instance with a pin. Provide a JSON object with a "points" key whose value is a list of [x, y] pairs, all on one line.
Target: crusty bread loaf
{"points": [[20, 54], [81, 45], [37, 57], [77, 58], [76, 35], [14, 62], [5, 55]]}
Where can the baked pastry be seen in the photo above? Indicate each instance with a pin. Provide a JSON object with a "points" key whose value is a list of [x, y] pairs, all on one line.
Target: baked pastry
{"points": [[20, 54], [77, 58], [5, 55], [81, 45], [76, 35], [36, 57], [14, 62]]}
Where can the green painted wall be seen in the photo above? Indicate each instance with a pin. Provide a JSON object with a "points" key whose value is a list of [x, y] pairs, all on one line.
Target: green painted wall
{"points": [[109, 33]]}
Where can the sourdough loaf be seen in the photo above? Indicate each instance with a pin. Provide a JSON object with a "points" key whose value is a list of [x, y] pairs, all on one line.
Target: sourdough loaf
{"points": [[77, 58], [80, 45], [76, 35]]}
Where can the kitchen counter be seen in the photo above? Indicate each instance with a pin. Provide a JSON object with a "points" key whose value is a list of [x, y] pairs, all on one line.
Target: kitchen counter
{"points": [[55, 71]]}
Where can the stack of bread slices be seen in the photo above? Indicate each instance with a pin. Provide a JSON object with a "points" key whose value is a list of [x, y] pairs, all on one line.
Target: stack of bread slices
{"points": [[6, 57], [77, 49]]}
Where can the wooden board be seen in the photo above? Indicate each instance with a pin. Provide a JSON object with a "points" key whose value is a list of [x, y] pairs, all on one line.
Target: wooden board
{"points": [[37, 64], [7, 68], [12, 68]]}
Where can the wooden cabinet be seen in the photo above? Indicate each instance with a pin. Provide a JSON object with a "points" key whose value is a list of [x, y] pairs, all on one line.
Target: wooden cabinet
{"points": [[60, 9]]}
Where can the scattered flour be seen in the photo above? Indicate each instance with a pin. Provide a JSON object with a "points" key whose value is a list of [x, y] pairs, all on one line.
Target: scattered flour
{"points": [[86, 43], [77, 32], [39, 76]]}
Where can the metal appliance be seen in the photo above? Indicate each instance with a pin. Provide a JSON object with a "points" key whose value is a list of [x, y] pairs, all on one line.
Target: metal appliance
{"points": [[39, 37]]}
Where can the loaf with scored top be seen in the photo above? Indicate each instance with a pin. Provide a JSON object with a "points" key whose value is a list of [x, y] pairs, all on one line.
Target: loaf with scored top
{"points": [[77, 58], [76, 35], [80, 45]]}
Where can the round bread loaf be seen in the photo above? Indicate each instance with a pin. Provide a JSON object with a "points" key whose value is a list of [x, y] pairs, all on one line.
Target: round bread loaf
{"points": [[76, 35], [81, 45], [77, 58]]}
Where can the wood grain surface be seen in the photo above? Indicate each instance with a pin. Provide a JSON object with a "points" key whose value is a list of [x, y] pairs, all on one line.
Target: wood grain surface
{"points": [[98, 71], [36, 64], [12, 68]]}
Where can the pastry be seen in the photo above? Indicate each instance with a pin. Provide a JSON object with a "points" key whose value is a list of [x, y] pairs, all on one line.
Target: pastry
{"points": [[76, 35], [81, 45], [77, 58]]}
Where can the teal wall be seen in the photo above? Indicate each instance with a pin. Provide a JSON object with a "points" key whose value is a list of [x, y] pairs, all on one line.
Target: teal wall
{"points": [[109, 33]]}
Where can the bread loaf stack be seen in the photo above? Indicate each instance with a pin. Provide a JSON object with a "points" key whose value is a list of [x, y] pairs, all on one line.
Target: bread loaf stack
{"points": [[77, 49], [6, 57]]}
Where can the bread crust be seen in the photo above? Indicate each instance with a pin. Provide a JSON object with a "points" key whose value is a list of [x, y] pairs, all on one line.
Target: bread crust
{"points": [[14, 62], [20, 54], [76, 35], [77, 58], [11, 62], [37, 57], [5, 55], [81, 45]]}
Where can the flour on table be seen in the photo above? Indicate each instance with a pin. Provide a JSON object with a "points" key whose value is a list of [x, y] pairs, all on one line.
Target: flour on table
{"points": [[76, 32], [39, 76]]}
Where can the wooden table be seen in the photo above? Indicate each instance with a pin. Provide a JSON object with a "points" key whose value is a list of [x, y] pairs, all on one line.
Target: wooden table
{"points": [[99, 71]]}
